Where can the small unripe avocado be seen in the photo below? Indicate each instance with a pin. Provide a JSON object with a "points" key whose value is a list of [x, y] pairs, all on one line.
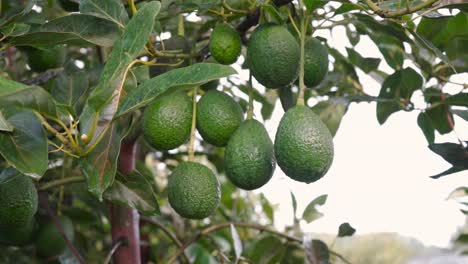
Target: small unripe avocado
{"points": [[303, 145], [249, 156], [43, 59], [315, 62], [273, 56], [18, 199], [167, 122], [193, 190], [225, 44], [17, 236], [49, 240], [218, 116]]}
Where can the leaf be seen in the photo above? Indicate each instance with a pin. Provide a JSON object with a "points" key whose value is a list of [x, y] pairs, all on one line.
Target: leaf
{"points": [[424, 122], [461, 113], [190, 76], [391, 48], [274, 13], [266, 250], [399, 85], [346, 7], [317, 252], [14, 29], [100, 165], [311, 5], [112, 10], [346, 229], [4, 124], [460, 99], [26, 147], [455, 154], [366, 64], [331, 113], [134, 190], [17, 11], [200, 254], [294, 203], [267, 208], [15, 94], [448, 172], [103, 102], [72, 29], [310, 213], [459, 192], [70, 89], [237, 242]]}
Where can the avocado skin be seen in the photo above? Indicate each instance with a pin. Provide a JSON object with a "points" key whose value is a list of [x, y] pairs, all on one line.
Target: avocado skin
{"points": [[218, 116], [315, 62], [249, 157], [17, 236], [167, 122], [49, 241], [273, 56], [193, 190], [303, 145], [225, 44], [18, 200], [40, 60]]}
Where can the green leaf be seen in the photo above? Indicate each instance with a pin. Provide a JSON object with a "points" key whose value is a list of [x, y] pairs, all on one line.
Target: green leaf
{"points": [[70, 90], [103, 102], [100, 165], [15, 94], [274, 13], [201, 254], [397, 5], [136, 191], [346, 229], [331, 113], [294, 203], [424, 122], [311, 213], [460, 99], [266, 250], [455, 154], [26, 147], [14, 29], [399, 85], [267, 208], [448, 172], [461, 113], [346, 7], [366, 64], [190, 76], [391, 48], [16, 11], [72, 29], [112, 10], [311, 5], [317, 252], [4, 124]]}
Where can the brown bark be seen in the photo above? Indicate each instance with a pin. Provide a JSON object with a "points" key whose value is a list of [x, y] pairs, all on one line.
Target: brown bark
{"points": [[124, 220]]}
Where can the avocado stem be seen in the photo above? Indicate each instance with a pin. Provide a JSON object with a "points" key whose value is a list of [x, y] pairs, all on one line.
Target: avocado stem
{"points": [[251, 106], [190, 150], [302, 87]]}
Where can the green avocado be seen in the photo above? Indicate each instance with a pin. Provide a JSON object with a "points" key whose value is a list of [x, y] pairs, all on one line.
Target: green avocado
{"points": [[167, 122], [211, 85], [17, 236], [249, 158], [218, 116], [193, 190], [49, 240], [225, 44], [18, 199], [303, 145], [315, 62], [273, 55], [40, 60]]}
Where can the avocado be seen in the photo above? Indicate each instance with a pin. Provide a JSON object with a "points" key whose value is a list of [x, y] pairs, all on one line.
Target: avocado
{"points": [[49, 240], [315, 62], [273, 56], [18, 199], [18, 235], [218, 116], [168, 120], [40, 60], [249, 156], [193, 190], [225, 44], [303, 145]]}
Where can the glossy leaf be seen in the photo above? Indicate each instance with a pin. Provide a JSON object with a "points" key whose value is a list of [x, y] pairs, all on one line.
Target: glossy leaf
{"points": [[112, 10], [266, 250], [70, 90], [236, 241], [346, 229], [311, 213], [424, 122], [461, 113], [103, 102], [331, 113], [460, 99], [190, 76], [455, 154], [72, 29], [136, 191], [399, 85], [14, 29], [26, 147], [15, 94], [366, 64], [5, 126]]}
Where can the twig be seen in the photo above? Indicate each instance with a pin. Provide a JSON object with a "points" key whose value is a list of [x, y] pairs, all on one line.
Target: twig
{"points": [[168, 232], [45, 204], [119, 243], [386, 13], [60, 182]]}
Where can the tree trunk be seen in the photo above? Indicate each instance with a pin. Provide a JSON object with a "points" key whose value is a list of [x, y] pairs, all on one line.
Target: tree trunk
{"points": [[125, 220]]}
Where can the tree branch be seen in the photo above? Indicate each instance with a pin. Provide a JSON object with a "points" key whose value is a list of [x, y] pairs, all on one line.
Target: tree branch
{"points": [[60, 182], [389, 14]]}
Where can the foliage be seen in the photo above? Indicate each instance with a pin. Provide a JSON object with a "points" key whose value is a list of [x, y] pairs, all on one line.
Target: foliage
{"points": [[64, 126]]}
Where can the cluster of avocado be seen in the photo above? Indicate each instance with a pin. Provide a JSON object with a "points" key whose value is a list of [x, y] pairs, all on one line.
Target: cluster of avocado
{"points": [[303, 145], [18, 225]]}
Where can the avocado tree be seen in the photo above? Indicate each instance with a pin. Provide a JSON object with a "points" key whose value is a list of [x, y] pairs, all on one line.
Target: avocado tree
{"points": [[101, 101]]}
